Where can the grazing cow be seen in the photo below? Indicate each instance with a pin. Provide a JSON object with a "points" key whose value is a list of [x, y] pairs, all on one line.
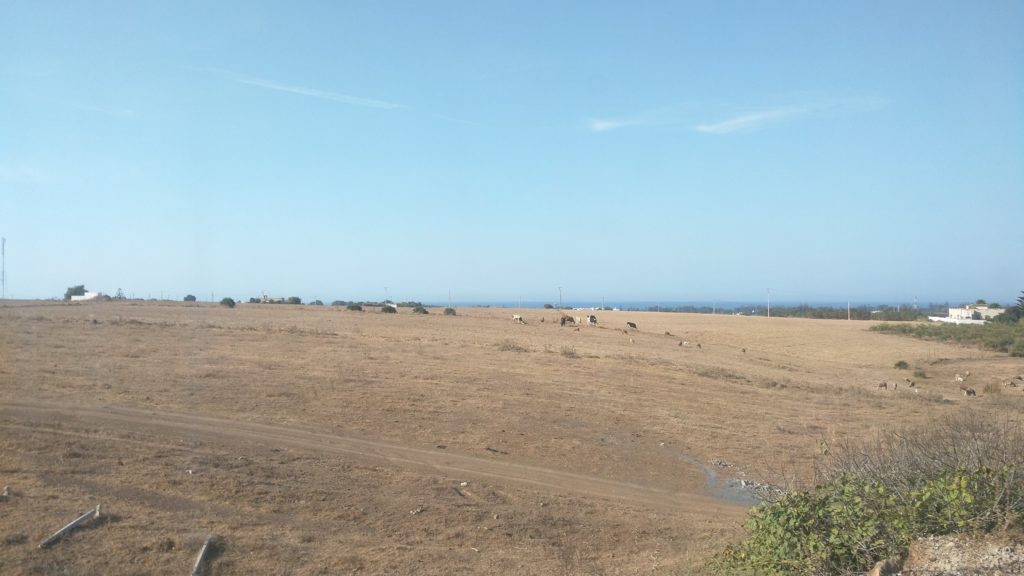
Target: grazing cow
{"points": [[633, 326], [567, 320], [578, 320], [968, 391], [518, 319], [592, 320]]}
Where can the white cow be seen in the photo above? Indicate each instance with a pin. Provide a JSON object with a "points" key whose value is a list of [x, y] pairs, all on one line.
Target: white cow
{"points": [[518, 319]]}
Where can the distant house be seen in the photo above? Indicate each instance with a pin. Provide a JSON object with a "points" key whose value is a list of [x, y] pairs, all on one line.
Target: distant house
{"points": [[86, 296], [268, 300], [970, 314]]}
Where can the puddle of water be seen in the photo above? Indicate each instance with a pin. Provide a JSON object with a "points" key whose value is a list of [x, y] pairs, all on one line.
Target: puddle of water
{"points": [[728, 489]]}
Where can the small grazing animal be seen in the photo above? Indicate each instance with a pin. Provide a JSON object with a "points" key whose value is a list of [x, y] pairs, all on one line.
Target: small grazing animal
{"points": [[633, 325], [968, 391]]}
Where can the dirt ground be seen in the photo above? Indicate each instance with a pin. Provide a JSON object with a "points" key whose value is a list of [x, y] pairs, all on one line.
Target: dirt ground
{"points": [[316, 440]]}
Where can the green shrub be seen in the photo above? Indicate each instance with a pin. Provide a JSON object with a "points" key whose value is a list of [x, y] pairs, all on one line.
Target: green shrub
{"points": [[449, 311], [388, 309], [420, 310], [1004, 336], [339, 303], [294, 300], [902, 365], [316, 303], [229, 302], [354, 307], [190, 298], [959, 475], [920, 373], [548, 307]]}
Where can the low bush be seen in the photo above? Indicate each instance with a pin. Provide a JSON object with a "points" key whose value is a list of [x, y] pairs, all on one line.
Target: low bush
{"points": [[387, 309], [902, 365], [316, 303], [190, 298], [420, 310], [548, 306], [1005, 337], [294, 300], [920, 373], [354, 307], [959, 475], [449, 311], [229, 302], [569, 352]]}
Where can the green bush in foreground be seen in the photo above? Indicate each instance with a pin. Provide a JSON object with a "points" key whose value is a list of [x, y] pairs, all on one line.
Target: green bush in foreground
{"points": [[354, 307], [449, 311], [420, 310], [388, 309], [229, 302], [964, 475]]}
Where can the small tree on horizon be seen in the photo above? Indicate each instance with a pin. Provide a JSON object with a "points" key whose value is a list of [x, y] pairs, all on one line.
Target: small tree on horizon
{"points": [[294, 300], [229, 302], [190, 298], [74, 291]]}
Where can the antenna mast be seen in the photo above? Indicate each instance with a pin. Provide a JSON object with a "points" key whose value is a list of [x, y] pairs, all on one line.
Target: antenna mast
{"points": [[3, 268]]}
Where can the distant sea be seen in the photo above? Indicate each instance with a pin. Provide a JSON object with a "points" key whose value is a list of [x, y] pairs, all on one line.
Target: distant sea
{"points": [[724, 305]]}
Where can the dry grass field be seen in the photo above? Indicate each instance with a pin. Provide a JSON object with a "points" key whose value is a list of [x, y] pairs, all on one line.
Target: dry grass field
{"points": [[316, 440]]}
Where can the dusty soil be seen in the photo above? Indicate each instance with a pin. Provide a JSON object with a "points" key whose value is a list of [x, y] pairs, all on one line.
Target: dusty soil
{"points": [[315, 440]]}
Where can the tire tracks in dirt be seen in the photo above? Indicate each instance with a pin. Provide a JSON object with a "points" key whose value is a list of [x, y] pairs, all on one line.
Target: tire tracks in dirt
{"points": [[215, 429]]}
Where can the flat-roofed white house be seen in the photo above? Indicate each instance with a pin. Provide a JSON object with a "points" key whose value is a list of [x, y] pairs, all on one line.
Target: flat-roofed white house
{"points": [[970, 314]]}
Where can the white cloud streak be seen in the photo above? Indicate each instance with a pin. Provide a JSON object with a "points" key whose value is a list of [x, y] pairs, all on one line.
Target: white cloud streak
{"points": [[747, 122], [338, 97], [609, 124]]}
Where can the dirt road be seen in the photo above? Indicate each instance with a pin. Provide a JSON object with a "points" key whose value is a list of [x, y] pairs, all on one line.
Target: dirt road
{"points": [[224, 431]]}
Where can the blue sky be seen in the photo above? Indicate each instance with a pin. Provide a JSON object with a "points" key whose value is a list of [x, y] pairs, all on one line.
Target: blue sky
{"points": [[870, 151]]}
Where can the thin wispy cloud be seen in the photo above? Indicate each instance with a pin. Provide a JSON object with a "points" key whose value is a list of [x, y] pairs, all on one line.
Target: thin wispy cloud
{"points": [[687, 114], [747, 122], [609, 124], [339, 97], [105, 110]]}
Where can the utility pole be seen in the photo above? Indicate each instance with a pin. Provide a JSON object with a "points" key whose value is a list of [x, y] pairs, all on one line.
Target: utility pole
{"points": [[449, 298], [559, 297], [3, 269], [769, 302], [847, 309], [385, 294]]}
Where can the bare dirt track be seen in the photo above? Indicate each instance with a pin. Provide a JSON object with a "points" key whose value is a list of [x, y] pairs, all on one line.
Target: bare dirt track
{"points": [[315, 440]]}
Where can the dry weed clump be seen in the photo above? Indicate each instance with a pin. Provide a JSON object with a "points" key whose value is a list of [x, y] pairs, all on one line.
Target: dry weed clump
{"points": [[511, 346], [569, 352]]}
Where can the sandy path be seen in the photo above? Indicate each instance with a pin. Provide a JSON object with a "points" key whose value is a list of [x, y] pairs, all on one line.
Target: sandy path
{"points": [[499, 468]]}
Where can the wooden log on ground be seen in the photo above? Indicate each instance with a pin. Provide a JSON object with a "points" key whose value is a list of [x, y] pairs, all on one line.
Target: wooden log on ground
{"points": [[197, 570], [91, 514]]}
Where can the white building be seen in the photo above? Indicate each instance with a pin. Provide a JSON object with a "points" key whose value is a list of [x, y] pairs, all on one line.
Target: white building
{"points": [[86, 296], [970, 314]]}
